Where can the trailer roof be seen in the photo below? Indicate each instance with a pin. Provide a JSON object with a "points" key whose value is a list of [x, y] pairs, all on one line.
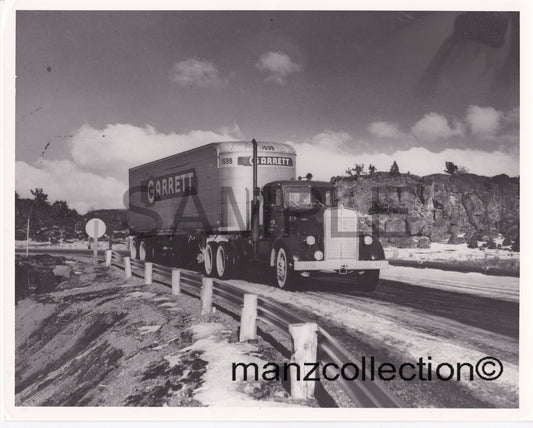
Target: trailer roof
{"points": [[231, 146], [311, 183], [238, 146]]}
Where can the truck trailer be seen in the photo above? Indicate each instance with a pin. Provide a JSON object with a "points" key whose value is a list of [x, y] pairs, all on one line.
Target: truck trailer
{"points": [[230, 205]]}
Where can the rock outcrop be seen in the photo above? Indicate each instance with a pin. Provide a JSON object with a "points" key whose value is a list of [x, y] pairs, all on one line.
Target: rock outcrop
{"points": [[37, 274], [443, 208]]}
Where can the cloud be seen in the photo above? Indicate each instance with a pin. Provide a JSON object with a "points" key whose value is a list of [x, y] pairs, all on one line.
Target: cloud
{"points": [[483, 121], [96, 175], [278, 66], [233, 131], [511, 117], [118, 147], [333, 160], [385, 130], [434, 126], [481, 127], [193, 72], [331, 139], [63, 180]]}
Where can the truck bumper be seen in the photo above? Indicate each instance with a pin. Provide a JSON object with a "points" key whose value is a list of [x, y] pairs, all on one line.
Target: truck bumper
{"points": [[340, 265]]}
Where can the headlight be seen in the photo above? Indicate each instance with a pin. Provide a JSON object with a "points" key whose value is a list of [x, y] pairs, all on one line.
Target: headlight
{"points": [[319, 255], [368, 240], [310, 240]]}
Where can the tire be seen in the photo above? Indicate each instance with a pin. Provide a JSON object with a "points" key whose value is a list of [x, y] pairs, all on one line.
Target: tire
{"points": [[284, 276], [368, 281], [210, 258], [225, 261], [134, 249], [143, 251]]}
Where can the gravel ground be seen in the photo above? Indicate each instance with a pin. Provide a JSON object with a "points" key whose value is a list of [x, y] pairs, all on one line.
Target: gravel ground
{"points": [[99, 340]]}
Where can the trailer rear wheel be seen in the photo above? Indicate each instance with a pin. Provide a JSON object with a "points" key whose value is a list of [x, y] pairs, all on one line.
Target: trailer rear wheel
{"points": [[210, 258], [225, 260]]}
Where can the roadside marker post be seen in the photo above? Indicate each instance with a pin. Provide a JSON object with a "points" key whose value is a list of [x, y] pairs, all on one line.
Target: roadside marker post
{"points": [[206, 295], [248, 330], [108, 256], [127, 267], [305, 344], [176, 282], [148, 273], [95, 242], [95, 228]]}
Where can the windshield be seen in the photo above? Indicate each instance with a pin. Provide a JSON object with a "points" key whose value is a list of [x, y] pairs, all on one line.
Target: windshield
{"points": [[305, 197]]}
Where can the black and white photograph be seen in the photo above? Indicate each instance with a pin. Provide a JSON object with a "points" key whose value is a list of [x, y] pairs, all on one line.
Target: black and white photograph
{"points": [[290, 209]]}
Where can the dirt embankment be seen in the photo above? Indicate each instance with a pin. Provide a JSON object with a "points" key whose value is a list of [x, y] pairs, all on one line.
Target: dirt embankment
{"points": [[99, 340]]}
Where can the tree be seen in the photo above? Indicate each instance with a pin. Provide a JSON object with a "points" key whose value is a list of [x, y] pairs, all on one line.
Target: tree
{"points": [[40, 196], [61, 209], [451, 168], [371, 169], [394, 170], [358, 169]]}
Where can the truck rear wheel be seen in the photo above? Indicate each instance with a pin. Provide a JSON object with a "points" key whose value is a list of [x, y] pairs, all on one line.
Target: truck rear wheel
{"points": [[225, 260], [368, 280], [134, 249], [210, 258], [284, 275], [143, 251]]}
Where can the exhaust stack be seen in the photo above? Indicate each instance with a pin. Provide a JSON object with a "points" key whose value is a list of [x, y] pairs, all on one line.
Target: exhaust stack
{"points": [[255, 201]]}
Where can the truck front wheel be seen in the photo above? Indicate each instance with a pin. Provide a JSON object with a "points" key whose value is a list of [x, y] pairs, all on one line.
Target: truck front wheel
{"points": [[284, 274], [368, 280], [210, 258]]}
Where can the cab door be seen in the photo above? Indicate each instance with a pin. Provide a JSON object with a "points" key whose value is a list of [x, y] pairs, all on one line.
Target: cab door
{"points": [[273, 223]]}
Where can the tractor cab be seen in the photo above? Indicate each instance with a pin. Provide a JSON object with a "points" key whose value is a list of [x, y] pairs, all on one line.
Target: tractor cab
{"points": [[285, 202]]}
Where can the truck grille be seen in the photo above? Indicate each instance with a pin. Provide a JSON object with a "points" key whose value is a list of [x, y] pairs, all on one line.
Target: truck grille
{"points": [[340, 234]]}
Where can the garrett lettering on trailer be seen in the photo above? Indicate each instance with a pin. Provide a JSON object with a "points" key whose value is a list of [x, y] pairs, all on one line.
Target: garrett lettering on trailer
{"points": [[170, 186], [265, 161]]}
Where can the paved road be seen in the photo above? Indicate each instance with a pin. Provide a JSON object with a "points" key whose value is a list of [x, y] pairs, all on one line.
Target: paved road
{"points": [[401, 322]]}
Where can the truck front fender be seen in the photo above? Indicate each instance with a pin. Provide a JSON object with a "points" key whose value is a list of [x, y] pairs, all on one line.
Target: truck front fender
{"points": [[374, 251]]}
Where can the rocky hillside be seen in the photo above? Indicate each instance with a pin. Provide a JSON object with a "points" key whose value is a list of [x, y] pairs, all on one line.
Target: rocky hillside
{"points": [[407, 209], [52, 222]]}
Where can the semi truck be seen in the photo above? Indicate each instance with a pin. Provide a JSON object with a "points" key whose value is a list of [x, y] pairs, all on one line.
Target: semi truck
{"points": [[231, 205]]}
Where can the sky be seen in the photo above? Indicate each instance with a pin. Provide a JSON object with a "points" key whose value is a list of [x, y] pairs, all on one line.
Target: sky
{"points": [[99, 92]]}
